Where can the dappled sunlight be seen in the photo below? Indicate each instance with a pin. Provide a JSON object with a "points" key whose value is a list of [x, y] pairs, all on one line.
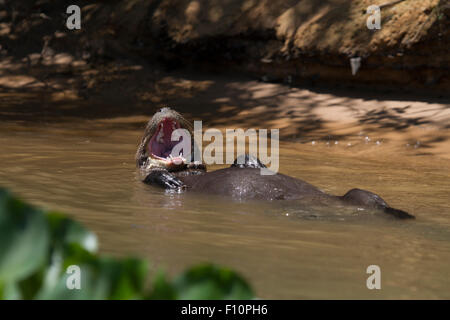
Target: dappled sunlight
{"points": [[303, 115], [19, 81]]}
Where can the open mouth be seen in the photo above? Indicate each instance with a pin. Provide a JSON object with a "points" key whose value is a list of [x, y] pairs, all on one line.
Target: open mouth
{"points": [[161, 145]]}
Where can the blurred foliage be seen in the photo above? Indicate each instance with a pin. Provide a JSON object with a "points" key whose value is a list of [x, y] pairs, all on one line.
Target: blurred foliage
{"points": [[37, 248]]}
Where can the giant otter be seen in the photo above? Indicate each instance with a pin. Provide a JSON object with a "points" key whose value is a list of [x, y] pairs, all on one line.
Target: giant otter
{"points": [[241, 181]]}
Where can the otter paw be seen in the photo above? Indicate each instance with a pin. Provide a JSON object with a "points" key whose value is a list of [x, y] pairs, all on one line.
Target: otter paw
{"points": [[163, 179]]}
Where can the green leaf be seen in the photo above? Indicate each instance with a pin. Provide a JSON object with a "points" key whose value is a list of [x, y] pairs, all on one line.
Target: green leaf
{"points": [[92, 288], [211, 282], [126, 276], [37, 249], [71, 244], [101, 278], [11, 291], [24, 239], [65, 231], [163, 289]]}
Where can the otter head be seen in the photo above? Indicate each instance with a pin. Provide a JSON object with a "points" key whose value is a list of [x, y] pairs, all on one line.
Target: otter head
{"points": [[157, 140]]}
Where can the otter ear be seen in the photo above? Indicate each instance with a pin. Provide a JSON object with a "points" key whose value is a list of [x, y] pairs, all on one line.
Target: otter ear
{"points": [[248, 161]]}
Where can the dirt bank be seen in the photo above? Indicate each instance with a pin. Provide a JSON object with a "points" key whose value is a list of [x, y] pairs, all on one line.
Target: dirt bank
{"points": [[311, 42], [297, 42]]}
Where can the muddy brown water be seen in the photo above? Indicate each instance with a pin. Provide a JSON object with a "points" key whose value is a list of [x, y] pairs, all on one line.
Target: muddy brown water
{"points": [[86, 169]]}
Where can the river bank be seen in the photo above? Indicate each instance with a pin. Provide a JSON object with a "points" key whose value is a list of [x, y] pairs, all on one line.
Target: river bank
{"points": [[126, 94]]}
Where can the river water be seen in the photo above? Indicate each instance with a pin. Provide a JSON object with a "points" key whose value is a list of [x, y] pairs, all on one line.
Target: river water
{"points": [[85, 168]]}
